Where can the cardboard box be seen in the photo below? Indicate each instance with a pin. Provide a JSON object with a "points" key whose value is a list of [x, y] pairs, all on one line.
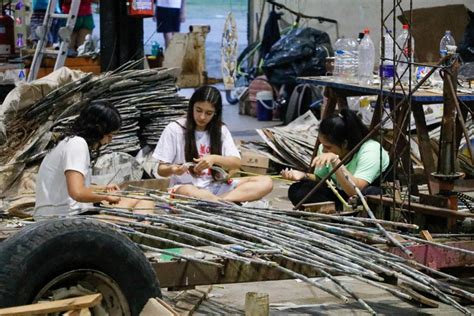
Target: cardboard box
{"points": [[256, 170], [253, 159]]}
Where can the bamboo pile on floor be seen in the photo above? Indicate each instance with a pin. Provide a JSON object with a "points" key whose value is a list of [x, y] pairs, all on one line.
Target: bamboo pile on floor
{"points": [[330, 246], [146, 99]]}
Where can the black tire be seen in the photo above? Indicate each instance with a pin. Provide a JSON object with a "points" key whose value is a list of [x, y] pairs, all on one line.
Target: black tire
{"points": [[42, 252]]}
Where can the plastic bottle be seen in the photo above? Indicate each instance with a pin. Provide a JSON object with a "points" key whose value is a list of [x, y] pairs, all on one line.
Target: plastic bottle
{"points": [[19, 41], [352, 60], [405, 55], [21, 75], [366, 60], [387, 69], [155, 48], [446, 40], [338, 51], [347, 53]]}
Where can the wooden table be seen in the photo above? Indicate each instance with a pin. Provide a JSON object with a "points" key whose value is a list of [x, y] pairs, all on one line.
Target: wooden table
{"points": [[338, 91]]}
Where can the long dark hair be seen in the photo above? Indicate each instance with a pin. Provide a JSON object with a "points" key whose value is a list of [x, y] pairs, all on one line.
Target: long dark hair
{"points": [[344, 129], [214, 127], [96, 120]]}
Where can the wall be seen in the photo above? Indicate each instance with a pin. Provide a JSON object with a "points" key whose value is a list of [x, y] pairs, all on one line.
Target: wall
{"points": [[353, 16]]}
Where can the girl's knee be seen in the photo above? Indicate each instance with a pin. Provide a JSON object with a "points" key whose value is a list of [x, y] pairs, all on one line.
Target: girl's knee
{"points": [[267, 183], [263, 183], [186, 189]]}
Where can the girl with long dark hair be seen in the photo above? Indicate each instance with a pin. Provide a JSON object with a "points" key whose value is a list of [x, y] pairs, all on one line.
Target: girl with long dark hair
{"points": [[63, 184], [338, 135], [189, 147]]}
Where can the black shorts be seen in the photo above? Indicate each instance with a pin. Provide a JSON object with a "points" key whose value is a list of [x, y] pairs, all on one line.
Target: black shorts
{"points": [[167, 20]]}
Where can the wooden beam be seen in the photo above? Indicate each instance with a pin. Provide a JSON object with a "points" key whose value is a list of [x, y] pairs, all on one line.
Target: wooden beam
{"points": [[321, 207], [426, 235], [426, 151], [419, 208], [76, 303]]}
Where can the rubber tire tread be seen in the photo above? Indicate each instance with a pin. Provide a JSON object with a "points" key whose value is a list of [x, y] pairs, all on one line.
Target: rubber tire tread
{"points": [[42, 251]]}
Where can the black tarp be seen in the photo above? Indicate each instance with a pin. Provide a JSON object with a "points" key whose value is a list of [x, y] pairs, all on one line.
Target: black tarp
{"points": [[302, 52]]}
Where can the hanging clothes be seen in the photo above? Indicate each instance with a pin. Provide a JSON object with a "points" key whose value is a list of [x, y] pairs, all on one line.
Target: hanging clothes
{"points": [[271, 33]]}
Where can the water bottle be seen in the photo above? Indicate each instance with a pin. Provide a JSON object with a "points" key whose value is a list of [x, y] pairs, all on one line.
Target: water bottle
{"points": [[387, 69], [366, 60], [347, 57], [338, 51], [446, 40], [405, 55], [352, 59]]}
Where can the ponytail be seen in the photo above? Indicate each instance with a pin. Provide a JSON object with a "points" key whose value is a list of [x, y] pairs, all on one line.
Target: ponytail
{"points": [[343, 128]]}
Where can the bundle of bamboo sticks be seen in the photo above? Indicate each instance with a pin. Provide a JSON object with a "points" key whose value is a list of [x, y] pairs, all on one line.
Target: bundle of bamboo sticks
{"points": [[329, 245]]}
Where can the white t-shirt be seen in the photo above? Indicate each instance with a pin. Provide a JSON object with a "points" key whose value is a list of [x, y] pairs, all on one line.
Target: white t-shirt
{"points": [[176, 4], [52, 197], [170, 149]]}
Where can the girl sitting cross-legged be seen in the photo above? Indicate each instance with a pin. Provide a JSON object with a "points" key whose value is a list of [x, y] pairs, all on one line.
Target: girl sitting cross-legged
{"points": [[190, 146]]}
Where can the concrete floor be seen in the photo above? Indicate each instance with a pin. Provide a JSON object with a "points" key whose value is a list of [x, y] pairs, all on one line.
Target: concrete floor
{"points": [[292, 297]]}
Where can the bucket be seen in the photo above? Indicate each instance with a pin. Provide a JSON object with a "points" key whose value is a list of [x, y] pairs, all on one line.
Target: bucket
{"points": [[264, 105]]}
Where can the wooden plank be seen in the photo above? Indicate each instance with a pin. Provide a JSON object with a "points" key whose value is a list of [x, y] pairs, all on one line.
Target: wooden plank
{"points": [[424, 96], [419, 208], [177, 274], [426, 235], [424, 142], [82, 312], [320, 207], [76, 303], [190, 301], [156, 306], [434, 200]]}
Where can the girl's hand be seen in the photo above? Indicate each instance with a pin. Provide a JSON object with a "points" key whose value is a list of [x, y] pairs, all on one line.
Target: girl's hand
{"points": [[112, 188], [179, 169], [203, 163], [112, 199], [294, 175], [325, 159]]}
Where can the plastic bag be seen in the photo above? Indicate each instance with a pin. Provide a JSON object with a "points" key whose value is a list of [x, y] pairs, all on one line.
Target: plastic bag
{"points": [[302, 52], [466, 46]]}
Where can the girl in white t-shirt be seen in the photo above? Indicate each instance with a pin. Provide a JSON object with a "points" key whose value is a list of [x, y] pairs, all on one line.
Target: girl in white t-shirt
{"points": [[203, 139], [63, 185]]}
